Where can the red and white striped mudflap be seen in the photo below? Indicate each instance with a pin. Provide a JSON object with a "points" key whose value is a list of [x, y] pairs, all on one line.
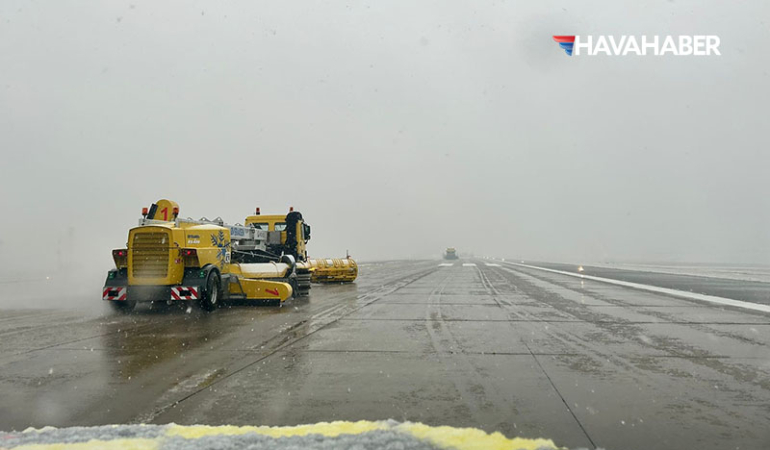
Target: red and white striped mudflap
{"points": [[185, 293], [114, 293]]}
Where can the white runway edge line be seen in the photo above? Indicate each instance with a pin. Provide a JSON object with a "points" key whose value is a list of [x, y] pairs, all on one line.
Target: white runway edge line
{"points": [[469, 265], [446, 265], [660, 290]]}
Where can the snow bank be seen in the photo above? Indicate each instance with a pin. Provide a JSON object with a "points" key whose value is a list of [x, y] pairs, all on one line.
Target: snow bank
{"points": [[361, 435]]}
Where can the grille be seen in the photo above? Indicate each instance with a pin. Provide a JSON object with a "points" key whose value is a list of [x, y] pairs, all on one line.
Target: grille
{"points": [[149, 255]]}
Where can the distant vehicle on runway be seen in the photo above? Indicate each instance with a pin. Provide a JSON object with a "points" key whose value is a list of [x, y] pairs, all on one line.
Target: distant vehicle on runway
{"points": [[450, 253]]}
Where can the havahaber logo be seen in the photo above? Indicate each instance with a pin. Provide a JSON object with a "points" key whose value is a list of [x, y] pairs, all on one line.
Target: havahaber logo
{"points": [[696, 45], [565, 42]]}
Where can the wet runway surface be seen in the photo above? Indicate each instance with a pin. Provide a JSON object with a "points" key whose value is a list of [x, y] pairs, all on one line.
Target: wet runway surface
{"points": [[747, 291], [492, 346]]}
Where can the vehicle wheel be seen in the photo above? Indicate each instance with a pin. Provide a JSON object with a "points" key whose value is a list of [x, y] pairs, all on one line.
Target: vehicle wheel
{"points": [[210, 299], [122, 307]]}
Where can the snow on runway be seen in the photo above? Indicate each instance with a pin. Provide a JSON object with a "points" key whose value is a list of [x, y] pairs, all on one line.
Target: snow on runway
{"points": [[338, 435]]}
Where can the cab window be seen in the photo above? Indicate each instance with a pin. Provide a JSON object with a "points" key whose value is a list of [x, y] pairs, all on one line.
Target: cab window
{"points": [[281, 226], [261, 226]]}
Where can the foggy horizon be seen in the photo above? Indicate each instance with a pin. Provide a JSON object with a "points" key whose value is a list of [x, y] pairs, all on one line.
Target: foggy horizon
{"points": [[397, 130]]}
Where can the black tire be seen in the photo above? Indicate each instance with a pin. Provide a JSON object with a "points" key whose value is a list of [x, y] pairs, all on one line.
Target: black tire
{"points": [[210, 297], [122, 307]]}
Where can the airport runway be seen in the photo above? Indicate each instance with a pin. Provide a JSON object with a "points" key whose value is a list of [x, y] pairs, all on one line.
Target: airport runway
{"points": [[749, 291], [472, 344]]}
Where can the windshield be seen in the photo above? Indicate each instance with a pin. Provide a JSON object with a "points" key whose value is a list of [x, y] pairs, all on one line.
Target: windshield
{"points": [[537, 220]]}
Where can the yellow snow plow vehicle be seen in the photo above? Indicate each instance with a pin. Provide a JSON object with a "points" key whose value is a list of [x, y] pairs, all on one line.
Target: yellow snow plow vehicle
{"points": [[208, 261]]}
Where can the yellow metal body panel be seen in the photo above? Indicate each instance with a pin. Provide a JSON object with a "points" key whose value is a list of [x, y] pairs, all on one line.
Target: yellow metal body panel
{"points": [[212, 243], [335, 270], [154, 257], [255, 289], [155, 251], [261, 281], [270, 220], [165, 210]]}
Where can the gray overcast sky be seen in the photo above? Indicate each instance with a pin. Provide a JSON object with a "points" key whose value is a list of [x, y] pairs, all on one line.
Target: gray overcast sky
{"points": [[398, 128]]}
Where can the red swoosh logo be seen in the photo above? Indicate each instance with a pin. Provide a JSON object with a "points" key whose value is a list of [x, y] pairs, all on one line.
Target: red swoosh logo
{"points": [[272, 291]]}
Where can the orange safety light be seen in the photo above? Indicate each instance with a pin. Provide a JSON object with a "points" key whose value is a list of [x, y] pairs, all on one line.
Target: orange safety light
{"points": [[145, 211], [291, 208], [176, 211], [257, 210]]}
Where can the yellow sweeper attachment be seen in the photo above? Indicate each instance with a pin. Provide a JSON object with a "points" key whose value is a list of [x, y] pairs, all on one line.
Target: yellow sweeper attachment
{"points": [[338, 270], [263, 281]]}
